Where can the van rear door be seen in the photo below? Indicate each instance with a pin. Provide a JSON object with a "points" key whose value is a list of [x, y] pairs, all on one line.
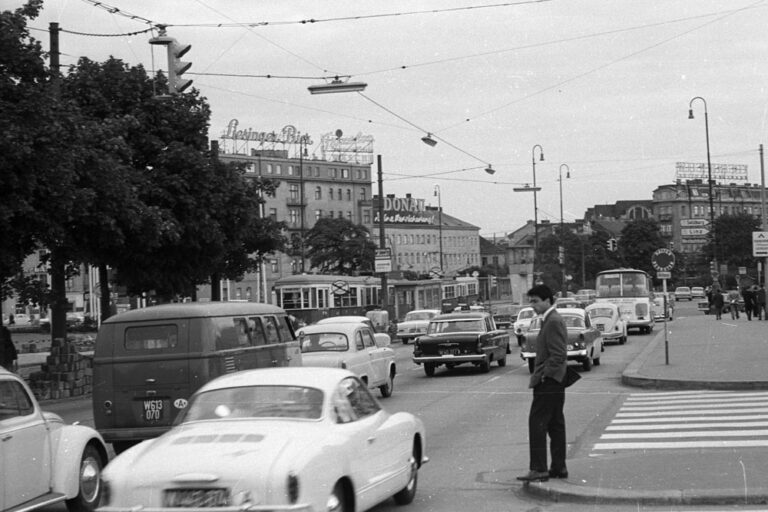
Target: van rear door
{"points": [[150, 375]]}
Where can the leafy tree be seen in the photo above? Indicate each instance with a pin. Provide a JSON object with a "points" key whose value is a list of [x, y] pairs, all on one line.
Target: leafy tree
{"points": [[734, 239], [639, 239], [337, 246]]}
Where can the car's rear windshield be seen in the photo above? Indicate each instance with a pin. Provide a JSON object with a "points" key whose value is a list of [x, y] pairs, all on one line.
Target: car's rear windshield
{"points": [[601, 312], [414, 315], [324, 342], [526, 314], [462, 325], [256, 402]]}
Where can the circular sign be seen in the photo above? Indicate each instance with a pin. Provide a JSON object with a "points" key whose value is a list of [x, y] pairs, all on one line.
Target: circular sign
{"points": [[663, 260], [340, 287]]}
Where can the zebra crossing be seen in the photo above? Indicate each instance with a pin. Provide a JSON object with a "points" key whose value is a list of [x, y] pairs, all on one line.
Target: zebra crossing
{"points": [[688, 419]]}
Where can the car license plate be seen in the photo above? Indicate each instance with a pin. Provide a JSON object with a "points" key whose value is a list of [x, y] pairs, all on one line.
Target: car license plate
{"points": [[449, 352], [195, 498], [152, 410]]}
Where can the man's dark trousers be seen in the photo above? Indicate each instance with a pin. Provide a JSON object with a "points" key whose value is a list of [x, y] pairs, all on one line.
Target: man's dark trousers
{"points": [[547, 417]]}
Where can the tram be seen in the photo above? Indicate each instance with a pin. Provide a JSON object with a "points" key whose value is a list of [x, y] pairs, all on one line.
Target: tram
{"points": [[311, 297], [632, 291]]}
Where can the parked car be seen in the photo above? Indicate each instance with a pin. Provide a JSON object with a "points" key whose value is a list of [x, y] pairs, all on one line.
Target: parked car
{"points": [[522, 323], [585, 342], [697, 292], [569, 302], [354, 347], [352, 319], [503, 320], [606, 317], [274, 439], [45, 460], [457, 338], [683, 292], [415, 324]]}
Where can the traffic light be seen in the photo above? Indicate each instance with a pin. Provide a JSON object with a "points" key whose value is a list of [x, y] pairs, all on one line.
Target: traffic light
{"points": [[611, 244], [176, 67]]}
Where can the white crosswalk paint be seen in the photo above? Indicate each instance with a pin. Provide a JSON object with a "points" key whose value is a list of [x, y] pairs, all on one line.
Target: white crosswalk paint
{"points": [[688, 420]]}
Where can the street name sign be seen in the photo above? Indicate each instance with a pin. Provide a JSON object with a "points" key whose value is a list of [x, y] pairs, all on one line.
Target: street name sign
{"points": [[663, 275], [382, 264], [759, 243]]}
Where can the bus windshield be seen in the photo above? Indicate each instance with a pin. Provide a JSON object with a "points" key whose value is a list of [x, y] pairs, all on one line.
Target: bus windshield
{"points": [[622, 284]]}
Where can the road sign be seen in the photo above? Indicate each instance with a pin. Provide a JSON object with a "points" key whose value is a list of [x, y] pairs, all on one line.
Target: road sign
{"points": [[382, 265], [384, 253], [663, 275], [435, 272], [663, 260], [340, 287], [759, 243]]}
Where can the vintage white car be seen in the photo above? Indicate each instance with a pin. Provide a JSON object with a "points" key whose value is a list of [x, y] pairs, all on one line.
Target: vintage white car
{"points": [[415, 324], [524, 317], [353, 346], [585, 343], [275, 439], [42, 460], [606, 317]]}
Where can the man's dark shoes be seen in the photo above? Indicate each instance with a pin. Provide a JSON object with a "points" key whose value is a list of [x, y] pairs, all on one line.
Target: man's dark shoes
{"points": [[563, 473], [534, 476]]}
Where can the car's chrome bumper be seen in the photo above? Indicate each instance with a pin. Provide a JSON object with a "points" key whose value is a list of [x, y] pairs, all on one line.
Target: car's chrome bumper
{"points": [[466, 358], [577, 354], [612, 335], [238, 508], [527, 355]]}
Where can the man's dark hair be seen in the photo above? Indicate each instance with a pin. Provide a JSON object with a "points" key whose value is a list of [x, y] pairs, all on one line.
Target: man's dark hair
{"points": [[543, 292]]}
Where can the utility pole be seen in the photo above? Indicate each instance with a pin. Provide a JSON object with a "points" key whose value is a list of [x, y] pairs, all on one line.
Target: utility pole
{"points": [[384, 294]]}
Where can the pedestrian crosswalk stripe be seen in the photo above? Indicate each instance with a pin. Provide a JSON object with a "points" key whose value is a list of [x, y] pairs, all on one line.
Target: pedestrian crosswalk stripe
{"points": [[688, 420]]}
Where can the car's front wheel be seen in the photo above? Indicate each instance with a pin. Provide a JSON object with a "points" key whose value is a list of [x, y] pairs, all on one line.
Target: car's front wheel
{"points": [[337, 501], [485, 366], [389, 386], [587, 364], [429, 369], [502, 360], [89, 482]]}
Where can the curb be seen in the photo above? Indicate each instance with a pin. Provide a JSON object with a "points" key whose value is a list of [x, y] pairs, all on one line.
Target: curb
{"points": [[563, 491]]}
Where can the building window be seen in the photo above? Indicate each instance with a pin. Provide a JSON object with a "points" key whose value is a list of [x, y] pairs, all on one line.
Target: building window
{"points": [[345, 174], [293, 216], [330, 193], [330, 214], [332, 172], [317, 171], [274, 266], [273, 213], [318, 214], [248, 293], [293, 191], [364, 174], [349, 194], [362, 194], [341, 215], [318, 193], [270, 170], [290, 170], [339, 196], [278, 169], [349, 216]]}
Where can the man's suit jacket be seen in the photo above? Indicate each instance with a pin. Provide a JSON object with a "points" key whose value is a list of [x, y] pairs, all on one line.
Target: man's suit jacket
{"points": [[551, 350]]}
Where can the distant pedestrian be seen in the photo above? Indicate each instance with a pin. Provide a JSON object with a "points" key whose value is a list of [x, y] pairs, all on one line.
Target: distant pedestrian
{"points": [[733, 303], [546, 416], [757, 308], [8, 353], [717, 303], [760, 299], [749, 301]]}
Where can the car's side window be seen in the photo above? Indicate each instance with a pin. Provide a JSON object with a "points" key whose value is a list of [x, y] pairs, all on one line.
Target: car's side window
{"points": [[352, 401], [14, 400], [368, 339], [488, 324], [359, 344]]}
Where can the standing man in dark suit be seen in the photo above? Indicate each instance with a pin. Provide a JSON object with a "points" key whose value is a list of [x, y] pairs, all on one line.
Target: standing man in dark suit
{"points": [[546, 416]]}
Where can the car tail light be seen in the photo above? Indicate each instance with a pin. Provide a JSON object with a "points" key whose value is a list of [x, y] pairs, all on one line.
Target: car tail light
{"points": [[293, 488]]}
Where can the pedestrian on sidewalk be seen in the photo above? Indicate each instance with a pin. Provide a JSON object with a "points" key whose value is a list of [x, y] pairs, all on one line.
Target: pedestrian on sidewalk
{"points": [[8, 353], [760, 299], [546, 415], [717, 303], [758, 306], [749, 301], [733, 302]]}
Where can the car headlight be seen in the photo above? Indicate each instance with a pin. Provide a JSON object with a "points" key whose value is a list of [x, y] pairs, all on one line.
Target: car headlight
{"points": [[293, 488]]}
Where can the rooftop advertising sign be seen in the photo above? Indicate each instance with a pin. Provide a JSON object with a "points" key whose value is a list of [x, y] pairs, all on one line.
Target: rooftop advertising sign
{"points": [[720, 172], [404, 210]]}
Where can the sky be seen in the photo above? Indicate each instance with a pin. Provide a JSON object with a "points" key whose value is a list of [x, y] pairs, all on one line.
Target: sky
{"points": [[601, 88]]}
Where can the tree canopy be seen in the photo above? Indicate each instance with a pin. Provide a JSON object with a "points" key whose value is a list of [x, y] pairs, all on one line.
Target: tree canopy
{"points": [[337, 246]]}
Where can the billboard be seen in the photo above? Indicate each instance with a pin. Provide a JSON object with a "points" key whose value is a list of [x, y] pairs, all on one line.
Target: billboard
{"points": [[720, 172]]}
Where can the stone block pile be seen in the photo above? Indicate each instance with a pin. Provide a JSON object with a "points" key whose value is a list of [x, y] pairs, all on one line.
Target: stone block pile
{"points": [[65, 373]]}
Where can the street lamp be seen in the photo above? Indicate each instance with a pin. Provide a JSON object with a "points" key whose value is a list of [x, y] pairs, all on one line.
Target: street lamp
{"points": [[337, 85], [562, 228], [440, 223], [534, 189], [709, 175]]}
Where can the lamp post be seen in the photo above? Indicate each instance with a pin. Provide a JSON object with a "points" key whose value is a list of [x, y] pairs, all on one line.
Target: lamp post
{"points": [[562, 227], [709, 175], [440, 223], [534, 189], [302, 148]]}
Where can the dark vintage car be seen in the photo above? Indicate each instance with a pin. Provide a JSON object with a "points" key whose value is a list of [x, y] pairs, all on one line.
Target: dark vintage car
{"points": [[585, 342], [458, 338]]}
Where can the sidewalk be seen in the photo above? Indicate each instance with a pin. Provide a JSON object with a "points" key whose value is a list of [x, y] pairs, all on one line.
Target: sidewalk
{"points": [[703, 353]]}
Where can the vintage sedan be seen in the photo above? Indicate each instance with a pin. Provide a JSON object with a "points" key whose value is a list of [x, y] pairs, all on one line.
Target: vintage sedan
{"points": [[415, 324], [585, 342], [275, 439], [606, 317], [43, 461], [458, 338], [523, 321], [353, 346]]}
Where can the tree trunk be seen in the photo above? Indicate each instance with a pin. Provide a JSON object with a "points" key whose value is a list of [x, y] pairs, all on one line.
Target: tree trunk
{"points": [[216, 287], [105, 302], [59, 303]]}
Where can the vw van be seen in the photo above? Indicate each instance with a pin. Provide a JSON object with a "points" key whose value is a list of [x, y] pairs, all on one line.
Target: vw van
{"points": [[148, 362]]}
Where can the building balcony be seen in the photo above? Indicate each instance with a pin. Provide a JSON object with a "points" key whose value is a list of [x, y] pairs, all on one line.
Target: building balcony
{"points": [[291, 201], [664, 217]]}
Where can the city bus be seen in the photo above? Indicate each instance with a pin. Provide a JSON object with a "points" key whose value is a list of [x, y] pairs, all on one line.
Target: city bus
{"points": [[632, 291]]}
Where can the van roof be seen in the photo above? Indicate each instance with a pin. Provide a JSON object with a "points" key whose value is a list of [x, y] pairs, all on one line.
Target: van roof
{"points": [[193, 310]]}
